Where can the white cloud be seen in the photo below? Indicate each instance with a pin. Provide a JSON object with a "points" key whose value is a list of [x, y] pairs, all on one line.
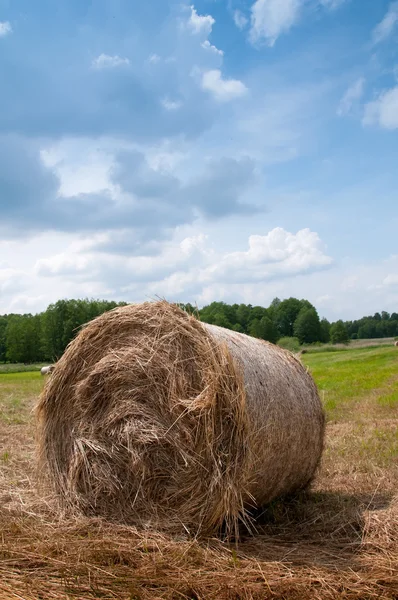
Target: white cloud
{"points": [[171, 104], [64, 263], [82, 167], [200, 24], [193, 261], [11, 280], [154, 58], [391, 279], [248, 276], [271, 18], [198, 269], [385, 28], [23, 303], [277, 254], [383, 111], [354, 93], [323, 300], [240, 20], [105, 61], [332, 4], [222, 89], [207, 46], [91, 266], [5, 28]]}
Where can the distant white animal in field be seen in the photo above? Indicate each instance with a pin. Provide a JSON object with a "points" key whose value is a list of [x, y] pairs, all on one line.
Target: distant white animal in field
{"points": [[46, 370], [396, 344]]}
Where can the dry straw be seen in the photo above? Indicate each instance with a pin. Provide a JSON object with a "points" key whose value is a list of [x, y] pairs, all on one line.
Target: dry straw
{"points": [[155, 419]]}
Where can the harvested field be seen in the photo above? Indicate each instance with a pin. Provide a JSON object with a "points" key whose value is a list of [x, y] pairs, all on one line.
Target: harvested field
{"points": [[339, 540]]}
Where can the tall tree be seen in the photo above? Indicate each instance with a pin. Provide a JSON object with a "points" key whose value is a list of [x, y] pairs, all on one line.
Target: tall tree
{"points": [[338, 333], [23, 338], [269, 331], [286, 314], [325, 331], [264, 329], [243, 315], [307, 327], [3, 344]]}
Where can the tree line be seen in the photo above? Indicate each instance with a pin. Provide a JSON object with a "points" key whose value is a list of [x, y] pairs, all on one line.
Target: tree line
{"points": [[43, 337]]}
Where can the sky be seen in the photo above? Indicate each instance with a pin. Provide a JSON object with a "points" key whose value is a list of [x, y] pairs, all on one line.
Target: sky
{"points": [[226, 150]]}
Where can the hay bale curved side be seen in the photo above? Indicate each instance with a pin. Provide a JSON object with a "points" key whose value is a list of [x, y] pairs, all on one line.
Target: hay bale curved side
{"points": [[286, 418], [154, 418], [143, 421]]}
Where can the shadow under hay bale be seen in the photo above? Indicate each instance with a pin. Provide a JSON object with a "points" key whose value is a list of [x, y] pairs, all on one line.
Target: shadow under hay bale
{"points": [[155, 419]]}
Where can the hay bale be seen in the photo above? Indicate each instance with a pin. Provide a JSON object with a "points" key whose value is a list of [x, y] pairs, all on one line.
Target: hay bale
{"points": [[153, 418], [47, 370]]}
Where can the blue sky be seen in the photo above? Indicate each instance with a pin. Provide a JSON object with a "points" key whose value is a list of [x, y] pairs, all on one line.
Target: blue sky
{"points": [[230, 150]]}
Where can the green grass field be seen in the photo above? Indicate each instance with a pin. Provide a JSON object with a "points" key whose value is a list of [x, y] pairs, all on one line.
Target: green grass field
{"points": [[19, 368], [365, 374], [340, 540]]}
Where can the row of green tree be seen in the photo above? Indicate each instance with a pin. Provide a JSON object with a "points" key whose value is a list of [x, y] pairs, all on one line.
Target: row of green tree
{"points": [[44, 336]]}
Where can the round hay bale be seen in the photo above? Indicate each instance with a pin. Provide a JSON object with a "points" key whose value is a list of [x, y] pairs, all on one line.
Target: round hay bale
{"points": [[47, 370], [155, 419]]}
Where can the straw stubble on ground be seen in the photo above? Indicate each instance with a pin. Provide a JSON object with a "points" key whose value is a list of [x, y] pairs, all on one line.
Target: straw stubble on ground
{"points": [[340, 540]]}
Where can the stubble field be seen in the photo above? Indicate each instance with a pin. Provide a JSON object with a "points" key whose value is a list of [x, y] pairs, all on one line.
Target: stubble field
{"points": [[339, 540]]}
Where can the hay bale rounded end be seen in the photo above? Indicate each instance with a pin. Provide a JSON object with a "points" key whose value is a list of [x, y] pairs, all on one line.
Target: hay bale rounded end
{"points": [[155, 419]]}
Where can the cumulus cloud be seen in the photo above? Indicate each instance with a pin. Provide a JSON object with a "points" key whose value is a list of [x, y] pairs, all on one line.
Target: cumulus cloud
{"points": [[353, 94], [222, 89], [120, 270], [218, 190], [72, 101], [171, 104], [143, 194], [30, 200], [154, 58], [187, 268], [387, 25], [391, 279], [5, 28], [135, 175], [383, 111], [207, 46], [240, 20], [332, 4], [275, 257], [11, 281], [200, 24], [105, 61], [271, 18], [27, 187], [277, 254], [63, 264]]}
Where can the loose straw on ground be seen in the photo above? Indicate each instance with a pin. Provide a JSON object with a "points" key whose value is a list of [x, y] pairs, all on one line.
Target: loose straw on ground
{"points": [[155, 419]]}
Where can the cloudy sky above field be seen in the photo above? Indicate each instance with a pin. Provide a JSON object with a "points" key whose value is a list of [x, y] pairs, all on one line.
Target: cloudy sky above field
{"points": [[230, 150]]}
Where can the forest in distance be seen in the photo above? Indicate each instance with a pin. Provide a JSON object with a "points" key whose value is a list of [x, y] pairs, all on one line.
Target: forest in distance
{"points": [[44, 336]]}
